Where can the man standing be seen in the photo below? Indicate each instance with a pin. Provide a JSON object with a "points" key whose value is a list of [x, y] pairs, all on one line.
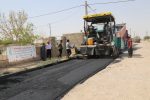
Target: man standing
{"points": [[68, 48], [130, 50], [43, 52], [48, 49], [60, 48]]}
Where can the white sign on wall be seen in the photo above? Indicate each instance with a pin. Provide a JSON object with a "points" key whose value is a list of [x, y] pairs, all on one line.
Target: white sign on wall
{"points": [[18, 53]]}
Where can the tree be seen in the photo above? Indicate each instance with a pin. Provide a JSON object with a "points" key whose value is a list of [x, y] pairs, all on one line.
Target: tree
{"points": [[16, 29]]}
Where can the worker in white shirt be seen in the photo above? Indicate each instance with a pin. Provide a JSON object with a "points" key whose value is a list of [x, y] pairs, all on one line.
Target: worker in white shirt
{"points": [[68, 48], [48, 49]]}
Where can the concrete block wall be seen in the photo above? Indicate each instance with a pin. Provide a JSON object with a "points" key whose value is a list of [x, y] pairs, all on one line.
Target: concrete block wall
{"points": [[54, 46], [53, 41], [64, 39], [75, 38]]}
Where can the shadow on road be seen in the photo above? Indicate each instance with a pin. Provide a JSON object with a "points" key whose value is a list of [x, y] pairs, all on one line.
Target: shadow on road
{"points": [[4, 83], [3, 88], [137, 56], [136, 48], [133, 56], [125, 54], [7, 81], [116, 61]]}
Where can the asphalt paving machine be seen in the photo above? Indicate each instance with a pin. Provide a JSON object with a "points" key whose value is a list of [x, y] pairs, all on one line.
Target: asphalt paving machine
{"points": [[100, 38]]}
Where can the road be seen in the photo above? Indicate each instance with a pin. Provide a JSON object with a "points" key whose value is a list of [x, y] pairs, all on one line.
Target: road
{"points": [[52, 82]]}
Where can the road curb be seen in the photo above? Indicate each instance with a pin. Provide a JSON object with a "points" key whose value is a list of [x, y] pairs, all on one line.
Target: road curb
{"points": [[32, 69]]}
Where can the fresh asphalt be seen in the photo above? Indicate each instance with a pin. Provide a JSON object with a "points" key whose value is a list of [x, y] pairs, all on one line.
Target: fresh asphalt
{"points": [[52, 82]]}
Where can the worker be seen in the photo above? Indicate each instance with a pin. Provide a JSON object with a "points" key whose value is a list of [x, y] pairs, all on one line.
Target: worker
{"points": [[68, 48], [60, 48], [130, 49], [43, 52], [48, 49]]}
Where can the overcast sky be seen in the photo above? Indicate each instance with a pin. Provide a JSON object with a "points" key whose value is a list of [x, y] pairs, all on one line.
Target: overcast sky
{"points": [[136, 14]]}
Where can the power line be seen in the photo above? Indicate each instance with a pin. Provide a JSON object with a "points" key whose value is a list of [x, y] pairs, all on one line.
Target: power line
{"points": [[92, 9], [66, 18], [58, 21], [51, 13], [112, 2]]}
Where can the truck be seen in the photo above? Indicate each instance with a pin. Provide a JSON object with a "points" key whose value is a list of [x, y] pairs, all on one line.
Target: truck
{"points": [[122, 36], [101, 35]]}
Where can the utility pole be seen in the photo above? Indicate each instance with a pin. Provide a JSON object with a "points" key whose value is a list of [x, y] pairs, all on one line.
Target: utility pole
{"points": [[86, 13], [50, 30], [86, 8]]}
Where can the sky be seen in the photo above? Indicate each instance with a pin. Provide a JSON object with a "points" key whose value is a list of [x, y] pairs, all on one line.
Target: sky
{"points": [[135, 14]]}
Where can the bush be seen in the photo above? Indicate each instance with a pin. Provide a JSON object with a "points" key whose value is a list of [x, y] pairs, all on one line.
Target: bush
{"points": [[6, 42], [136, 39], [146, 37]]}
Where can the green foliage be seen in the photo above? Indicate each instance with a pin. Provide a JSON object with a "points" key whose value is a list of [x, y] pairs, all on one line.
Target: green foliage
{"points": [[15, 29], [6, 42], [146, 37]]}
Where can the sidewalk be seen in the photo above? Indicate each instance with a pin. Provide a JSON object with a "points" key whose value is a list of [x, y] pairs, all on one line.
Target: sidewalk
{"points": [[4, 71], [124, 79], [29, 66]]}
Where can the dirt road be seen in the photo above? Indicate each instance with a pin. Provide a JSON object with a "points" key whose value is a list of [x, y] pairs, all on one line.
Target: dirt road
{"points": [[124, 79]]}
